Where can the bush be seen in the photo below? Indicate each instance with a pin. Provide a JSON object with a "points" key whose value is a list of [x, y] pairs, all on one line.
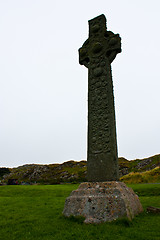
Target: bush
{"points": [[4, 171]]}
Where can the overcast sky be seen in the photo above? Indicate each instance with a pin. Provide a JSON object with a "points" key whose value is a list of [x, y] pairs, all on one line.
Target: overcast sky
{"points": [[43, 89]]}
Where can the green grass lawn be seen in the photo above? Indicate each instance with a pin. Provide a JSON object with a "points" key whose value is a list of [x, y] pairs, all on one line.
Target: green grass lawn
{"points": [[35, 212]]}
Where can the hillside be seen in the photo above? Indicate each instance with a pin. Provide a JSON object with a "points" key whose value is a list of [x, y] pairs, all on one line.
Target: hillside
{"points": [[151, 176], [72, 171]]}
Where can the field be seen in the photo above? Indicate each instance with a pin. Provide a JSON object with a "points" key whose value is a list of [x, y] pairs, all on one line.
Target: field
{"points": [[35, 212]]}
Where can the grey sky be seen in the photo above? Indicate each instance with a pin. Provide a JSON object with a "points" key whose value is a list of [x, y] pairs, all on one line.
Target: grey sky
{"points": [[43, 89]]}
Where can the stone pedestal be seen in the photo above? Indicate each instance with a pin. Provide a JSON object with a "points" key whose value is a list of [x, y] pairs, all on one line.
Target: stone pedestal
{"points": [[102, 202]]}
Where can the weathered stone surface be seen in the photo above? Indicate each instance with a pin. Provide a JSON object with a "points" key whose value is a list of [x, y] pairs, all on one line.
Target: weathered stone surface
{"points": [[102, 202], [97, 54]]}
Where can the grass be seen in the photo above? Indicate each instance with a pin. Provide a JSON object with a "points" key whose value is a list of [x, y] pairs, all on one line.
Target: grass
{"points": [[35, 212], [151, 176]]}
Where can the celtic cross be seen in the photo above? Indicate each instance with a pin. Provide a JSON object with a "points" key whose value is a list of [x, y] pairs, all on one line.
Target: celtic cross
{"points": [[97, 54]]}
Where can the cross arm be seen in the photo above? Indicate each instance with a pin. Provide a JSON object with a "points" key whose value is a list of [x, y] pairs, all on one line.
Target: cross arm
{"points": [[114, 45], [83, 54]]}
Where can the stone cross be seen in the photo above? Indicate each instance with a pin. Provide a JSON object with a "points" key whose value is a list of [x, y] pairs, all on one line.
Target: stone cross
{"points": [[108, 199], [97, 54]]}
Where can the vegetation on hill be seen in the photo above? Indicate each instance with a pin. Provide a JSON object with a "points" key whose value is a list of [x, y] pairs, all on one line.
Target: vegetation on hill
{"points": [[140, 165], [4, 171], [70, 171], [74, 172], [151, 176]]}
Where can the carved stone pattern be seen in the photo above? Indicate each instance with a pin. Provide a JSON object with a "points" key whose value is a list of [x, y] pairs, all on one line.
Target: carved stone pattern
{"points": [[100, 112]]}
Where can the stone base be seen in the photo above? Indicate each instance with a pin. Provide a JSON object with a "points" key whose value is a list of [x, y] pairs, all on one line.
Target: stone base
{"points": [[102, 202]]}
